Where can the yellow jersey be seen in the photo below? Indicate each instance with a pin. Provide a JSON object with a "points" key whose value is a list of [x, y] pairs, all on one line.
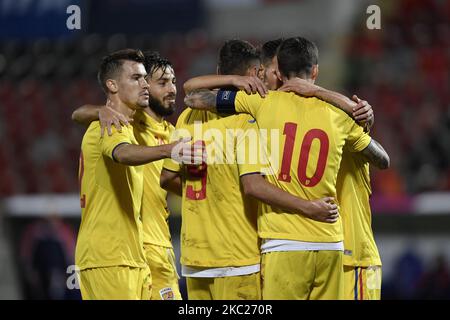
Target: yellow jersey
{"points": [[353, 191], [155, 213], [219, 224], [304, 148], [111, 195]]}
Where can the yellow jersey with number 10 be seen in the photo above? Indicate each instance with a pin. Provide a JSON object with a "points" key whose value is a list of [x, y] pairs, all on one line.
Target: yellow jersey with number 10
{"points": [[305, 157]]}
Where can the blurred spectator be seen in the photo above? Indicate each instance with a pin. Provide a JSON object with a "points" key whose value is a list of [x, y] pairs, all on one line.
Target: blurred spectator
{"points": [[403, 71], [405, 278], [46, 250], [435, 283]]}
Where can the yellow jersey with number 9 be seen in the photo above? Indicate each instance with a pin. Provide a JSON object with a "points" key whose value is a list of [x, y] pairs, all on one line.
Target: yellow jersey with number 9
{"points": [[218, 222]]}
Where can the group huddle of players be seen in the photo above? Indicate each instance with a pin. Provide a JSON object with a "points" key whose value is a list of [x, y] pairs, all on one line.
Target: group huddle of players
{"points": [[297, 226]]}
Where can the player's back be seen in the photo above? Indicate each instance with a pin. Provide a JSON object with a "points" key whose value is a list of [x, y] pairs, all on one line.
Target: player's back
{"points": [[110, 231], [311, 135], [353, 190], [219, 222]]}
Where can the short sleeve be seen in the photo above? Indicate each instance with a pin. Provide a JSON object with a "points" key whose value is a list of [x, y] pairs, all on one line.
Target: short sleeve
{"points": [[357, 139], [248, 103], [109, 143]]}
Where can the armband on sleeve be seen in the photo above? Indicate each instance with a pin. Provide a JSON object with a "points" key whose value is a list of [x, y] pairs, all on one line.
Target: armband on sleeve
{"points": [[225, 101]]}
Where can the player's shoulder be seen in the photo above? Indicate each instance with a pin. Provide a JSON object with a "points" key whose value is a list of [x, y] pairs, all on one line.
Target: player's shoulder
{"points": [[91, 136], [170, 127], [189, 116], [93, 130], [328, 107], [243, 120], [181, 120], [235, 121], [93, 125], [292, 97], [185, 113], [276, 95]]}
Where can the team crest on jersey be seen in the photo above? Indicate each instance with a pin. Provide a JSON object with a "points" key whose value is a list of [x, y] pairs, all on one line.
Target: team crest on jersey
{"points": [[166, 294], [348, 252], [251, 121]]}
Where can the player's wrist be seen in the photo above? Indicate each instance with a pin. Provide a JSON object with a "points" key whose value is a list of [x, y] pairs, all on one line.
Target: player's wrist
{"points": [[233, 80], [304, 207], [166, 150]]}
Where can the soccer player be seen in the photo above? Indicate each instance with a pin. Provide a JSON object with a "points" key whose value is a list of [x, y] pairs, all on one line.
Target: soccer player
{"points": [[110, 245], [220, 253], [268, 71], [302, 258], [151, 129], [362, 263]]}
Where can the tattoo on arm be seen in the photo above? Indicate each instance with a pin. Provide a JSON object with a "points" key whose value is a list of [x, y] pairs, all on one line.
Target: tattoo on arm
{"points": [[202, 99], [376, 155]]}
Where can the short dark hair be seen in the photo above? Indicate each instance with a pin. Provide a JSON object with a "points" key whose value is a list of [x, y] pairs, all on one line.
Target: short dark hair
{"points": [[296, 57], [269, 50], [235, 57], [153, 61], [112, 64]]}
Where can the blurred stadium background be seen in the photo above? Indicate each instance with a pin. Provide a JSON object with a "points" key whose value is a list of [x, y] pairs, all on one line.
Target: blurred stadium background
{"points": [[46, 71]]}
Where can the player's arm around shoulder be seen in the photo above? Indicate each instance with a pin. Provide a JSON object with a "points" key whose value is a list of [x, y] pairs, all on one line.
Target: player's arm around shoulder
{"points": [[358, 109], [250, 84], [107, 116]]}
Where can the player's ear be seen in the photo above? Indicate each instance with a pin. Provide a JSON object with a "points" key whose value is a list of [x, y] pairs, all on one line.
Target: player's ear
{"points": [[278, 74], [112, 85], [252, 71], [277, 70], [261, 71], [315, 72]]}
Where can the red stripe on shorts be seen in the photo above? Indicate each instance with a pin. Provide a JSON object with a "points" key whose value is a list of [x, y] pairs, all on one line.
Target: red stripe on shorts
{"points": [[361, 285]]}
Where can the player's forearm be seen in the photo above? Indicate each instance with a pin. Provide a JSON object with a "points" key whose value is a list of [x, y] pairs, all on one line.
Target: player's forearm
{"points": [[86, 114], [170, 181], [207, 82], [376, 155], [342, 102], [336, 99], [256, 186], [202, 99], [174, 186], [135, 155]]}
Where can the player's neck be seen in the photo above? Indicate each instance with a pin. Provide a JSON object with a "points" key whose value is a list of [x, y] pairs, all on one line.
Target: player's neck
{"points": [[153, 114], [121, 107]]}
